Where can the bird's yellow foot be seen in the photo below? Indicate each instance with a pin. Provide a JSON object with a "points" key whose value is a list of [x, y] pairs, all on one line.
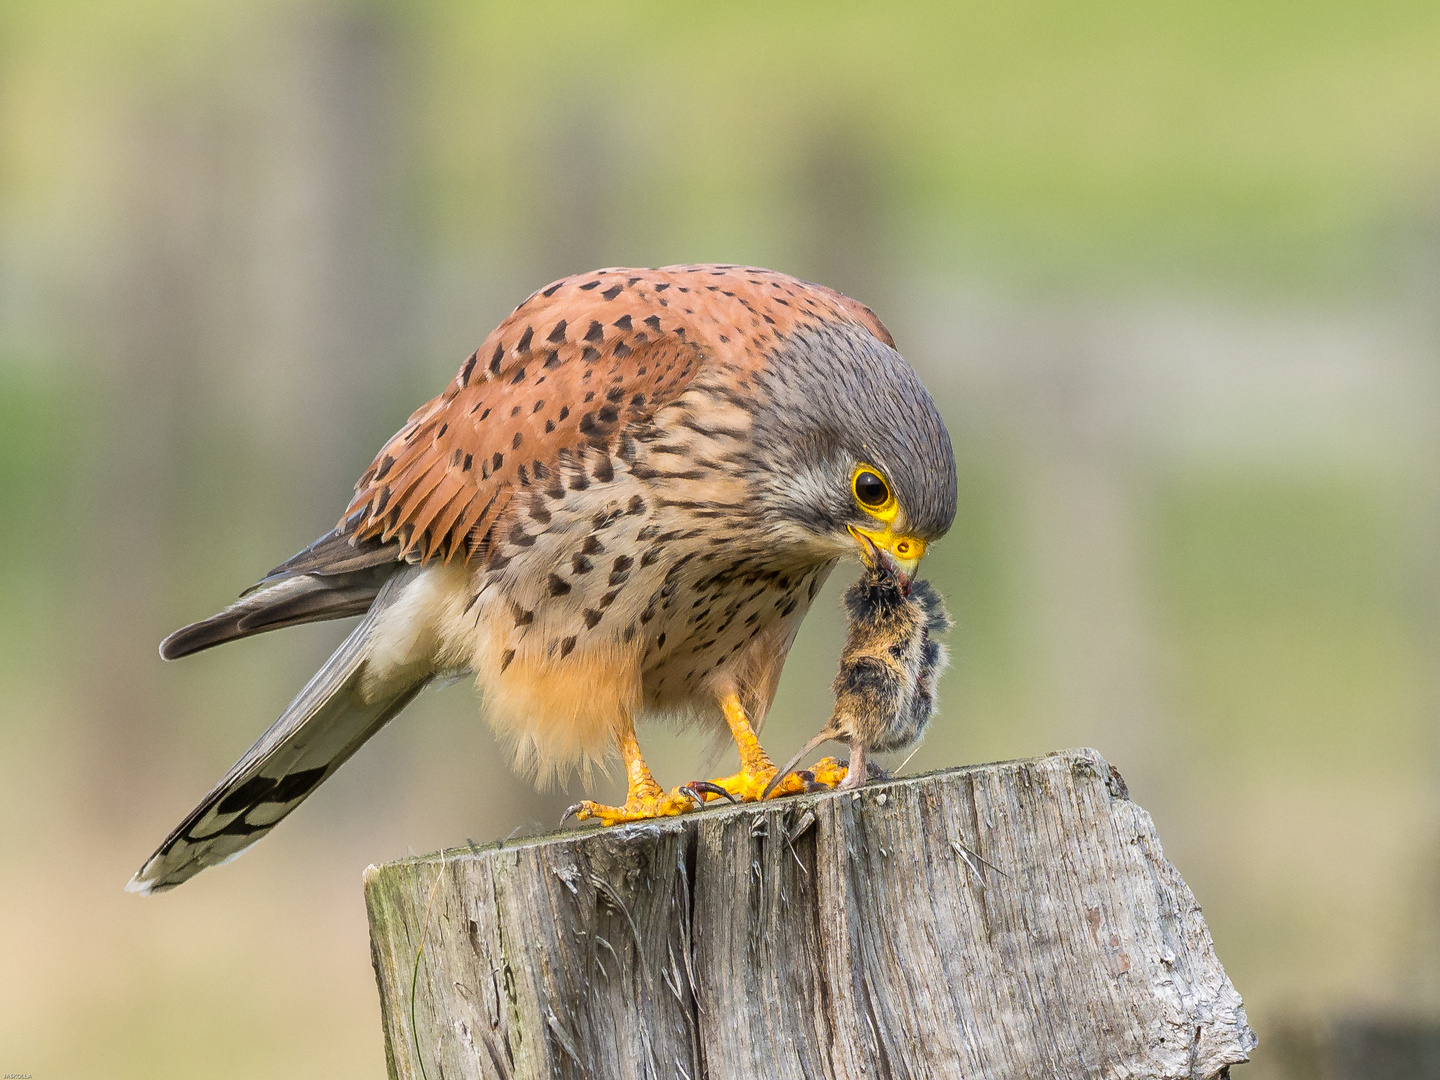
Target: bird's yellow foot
{"points": [[756, 768], [747, 785], [750, 785], [639, 806], [827, 772], [644, 798]]}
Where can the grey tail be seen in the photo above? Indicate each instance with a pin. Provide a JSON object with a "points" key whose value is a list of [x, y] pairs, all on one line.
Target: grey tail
{"points": [[824, 735], [331, 579], [327, 722]]}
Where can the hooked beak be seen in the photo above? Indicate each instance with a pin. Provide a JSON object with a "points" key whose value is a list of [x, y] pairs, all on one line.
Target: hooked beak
{"points": [[902, 554]]}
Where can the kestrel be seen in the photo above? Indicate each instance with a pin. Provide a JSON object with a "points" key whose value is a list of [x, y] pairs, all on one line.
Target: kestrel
{"points": [[621, 508]]}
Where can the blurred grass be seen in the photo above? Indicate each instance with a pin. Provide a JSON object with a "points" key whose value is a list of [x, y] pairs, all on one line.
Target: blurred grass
{"points": [[1299, 681], [37, 475], [1270, 142], [1259, 575], [1279, 142]]}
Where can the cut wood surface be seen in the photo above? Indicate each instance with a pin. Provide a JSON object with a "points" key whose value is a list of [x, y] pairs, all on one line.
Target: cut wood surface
{"points": [[1008, 920]]}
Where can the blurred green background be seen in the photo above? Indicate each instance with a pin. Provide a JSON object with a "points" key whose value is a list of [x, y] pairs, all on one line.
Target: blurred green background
{"points": [[1171, 270]]}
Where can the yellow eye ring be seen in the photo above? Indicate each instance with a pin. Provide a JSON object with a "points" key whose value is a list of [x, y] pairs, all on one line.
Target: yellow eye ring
{"points": [[872, 492]]}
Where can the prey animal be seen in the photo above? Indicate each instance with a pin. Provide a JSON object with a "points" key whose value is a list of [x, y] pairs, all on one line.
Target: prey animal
{"points": [[889, 667], [620, 509]]}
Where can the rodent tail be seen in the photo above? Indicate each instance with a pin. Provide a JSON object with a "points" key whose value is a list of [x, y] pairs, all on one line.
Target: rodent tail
{"points": [[825, 734]]}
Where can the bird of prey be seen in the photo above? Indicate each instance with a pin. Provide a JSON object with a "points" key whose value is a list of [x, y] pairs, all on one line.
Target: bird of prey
{"points": [[620, 509]]}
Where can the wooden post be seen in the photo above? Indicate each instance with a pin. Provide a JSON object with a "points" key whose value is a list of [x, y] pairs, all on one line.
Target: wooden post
{"points": [[1010, 920]]}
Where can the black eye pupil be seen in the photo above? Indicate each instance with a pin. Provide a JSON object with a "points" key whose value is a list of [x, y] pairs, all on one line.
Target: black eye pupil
{"points": [[870, 489]]}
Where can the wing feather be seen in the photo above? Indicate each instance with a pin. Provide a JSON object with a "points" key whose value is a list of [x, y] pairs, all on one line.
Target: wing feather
{"points": [[569, 369], [333, 578], [326, 723], [433, 502]]}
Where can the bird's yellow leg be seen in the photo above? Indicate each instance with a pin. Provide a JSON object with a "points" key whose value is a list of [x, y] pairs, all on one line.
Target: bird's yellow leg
{"points": [[756, 768], [644, 798]]}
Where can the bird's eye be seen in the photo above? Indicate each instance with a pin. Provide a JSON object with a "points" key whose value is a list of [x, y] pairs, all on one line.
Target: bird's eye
{"points": [[871, 491]]}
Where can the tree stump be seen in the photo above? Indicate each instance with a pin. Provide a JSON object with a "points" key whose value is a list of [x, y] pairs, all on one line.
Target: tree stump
{"points": [[1008, 920]]}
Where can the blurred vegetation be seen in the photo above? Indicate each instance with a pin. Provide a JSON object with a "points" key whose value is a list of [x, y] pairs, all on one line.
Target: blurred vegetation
{"points": [[1170, 270]]}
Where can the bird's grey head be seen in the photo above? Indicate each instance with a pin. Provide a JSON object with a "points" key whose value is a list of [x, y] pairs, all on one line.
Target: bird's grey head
{"points": [[855, 456]]}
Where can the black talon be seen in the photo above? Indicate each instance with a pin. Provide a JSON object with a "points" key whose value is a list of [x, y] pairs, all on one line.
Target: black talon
{"points": [[693, 795], [811, 784], [571, 813], [710, 789]]}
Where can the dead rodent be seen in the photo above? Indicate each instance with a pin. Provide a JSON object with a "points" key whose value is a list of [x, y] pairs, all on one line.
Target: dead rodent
{"points": [[885, 689]]}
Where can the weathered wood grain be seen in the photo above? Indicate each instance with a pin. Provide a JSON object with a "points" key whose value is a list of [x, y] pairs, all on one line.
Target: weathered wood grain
{"points": [[1008, 920]]}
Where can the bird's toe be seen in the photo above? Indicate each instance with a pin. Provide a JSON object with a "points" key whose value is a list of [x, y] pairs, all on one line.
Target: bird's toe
{"points": [[698, 789], [636, 808]]}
